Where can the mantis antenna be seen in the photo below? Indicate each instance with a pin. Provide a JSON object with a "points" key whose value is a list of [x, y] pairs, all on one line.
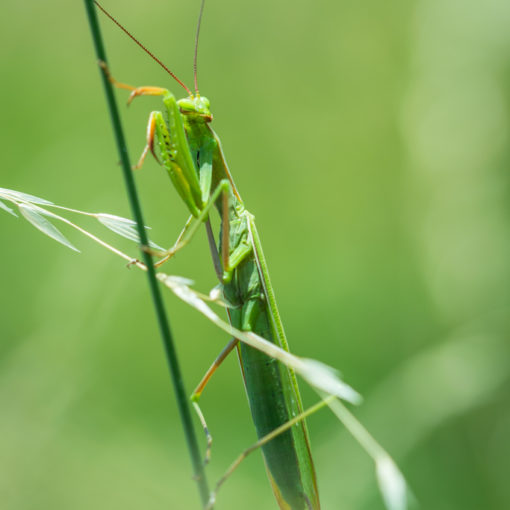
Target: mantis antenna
{"points": [[195, 57], [147, 51]]}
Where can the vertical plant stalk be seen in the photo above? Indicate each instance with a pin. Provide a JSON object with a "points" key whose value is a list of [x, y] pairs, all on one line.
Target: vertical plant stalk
{"points": [[164, 327]]}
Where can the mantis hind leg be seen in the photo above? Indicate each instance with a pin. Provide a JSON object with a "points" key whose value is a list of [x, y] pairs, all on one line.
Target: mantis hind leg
{"points": [[200, 388], [262, 441]]}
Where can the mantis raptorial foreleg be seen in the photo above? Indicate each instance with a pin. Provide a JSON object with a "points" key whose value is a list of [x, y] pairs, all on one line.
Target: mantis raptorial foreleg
{"points": [[149, 146], [157, 127]]}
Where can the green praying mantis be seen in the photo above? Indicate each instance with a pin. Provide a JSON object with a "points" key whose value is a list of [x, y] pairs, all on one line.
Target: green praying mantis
{"points": [[192, 154]]}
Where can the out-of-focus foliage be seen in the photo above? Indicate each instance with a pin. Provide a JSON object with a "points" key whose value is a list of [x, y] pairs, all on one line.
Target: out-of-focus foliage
{"points": [[371, 140]]}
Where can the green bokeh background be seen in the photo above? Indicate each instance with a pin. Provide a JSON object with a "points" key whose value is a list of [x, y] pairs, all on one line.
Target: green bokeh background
{"points": [[371, 140]]}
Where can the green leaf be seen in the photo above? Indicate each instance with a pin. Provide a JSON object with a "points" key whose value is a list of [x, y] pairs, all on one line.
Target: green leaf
{"points": [[8, 209], [41, 223]]}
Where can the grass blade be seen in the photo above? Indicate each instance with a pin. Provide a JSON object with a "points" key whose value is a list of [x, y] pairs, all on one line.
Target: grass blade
{"points": [[391, 483], [8, 209], [23, 197], [124, 227], [42, 224]]}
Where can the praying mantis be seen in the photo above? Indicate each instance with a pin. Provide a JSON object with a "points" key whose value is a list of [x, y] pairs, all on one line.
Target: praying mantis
{"points": [[192, 154]]}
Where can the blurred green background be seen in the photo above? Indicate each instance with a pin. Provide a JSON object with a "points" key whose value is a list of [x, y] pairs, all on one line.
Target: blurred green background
{"points": [[371, 140]]}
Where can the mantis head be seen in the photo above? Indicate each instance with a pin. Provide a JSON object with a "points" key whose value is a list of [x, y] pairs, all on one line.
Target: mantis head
{"points": [[196, 107]]}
